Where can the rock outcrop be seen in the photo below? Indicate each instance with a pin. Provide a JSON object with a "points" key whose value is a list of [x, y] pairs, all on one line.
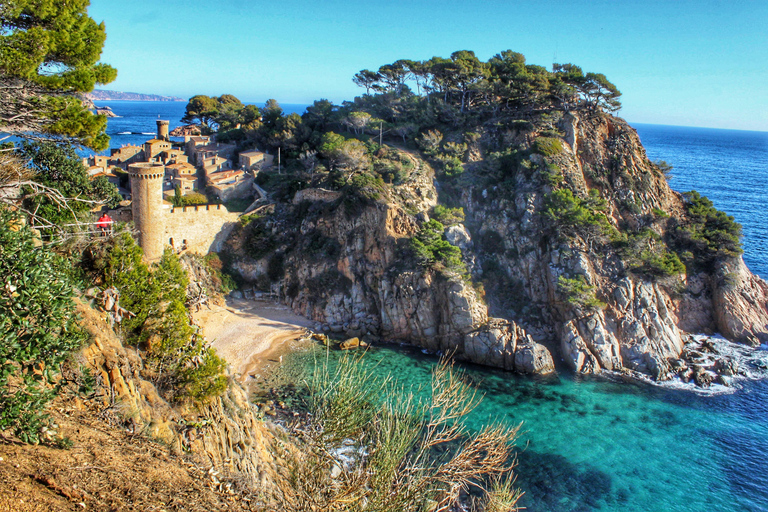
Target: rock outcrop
{"points": [[591, 291], [223, 434]]}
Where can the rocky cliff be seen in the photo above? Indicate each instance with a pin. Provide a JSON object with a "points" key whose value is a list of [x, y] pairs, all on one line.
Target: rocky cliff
{"points": [[582, 251], [223, 434]]}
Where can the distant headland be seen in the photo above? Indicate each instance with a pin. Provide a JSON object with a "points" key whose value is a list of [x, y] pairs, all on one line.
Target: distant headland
{"points": [[103, 95]]}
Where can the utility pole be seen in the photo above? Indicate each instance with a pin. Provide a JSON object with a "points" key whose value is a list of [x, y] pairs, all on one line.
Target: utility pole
{"points": [[278, 160], [381, 124]]}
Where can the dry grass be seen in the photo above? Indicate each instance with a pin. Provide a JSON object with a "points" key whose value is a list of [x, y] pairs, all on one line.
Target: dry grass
{"points": [[371, 446]]}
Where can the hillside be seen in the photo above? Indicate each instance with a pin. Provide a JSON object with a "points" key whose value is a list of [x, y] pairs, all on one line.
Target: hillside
{"points": [[526, 233], [104, 95]]}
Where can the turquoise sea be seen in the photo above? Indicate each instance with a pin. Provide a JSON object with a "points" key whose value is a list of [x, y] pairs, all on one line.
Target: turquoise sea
{"points": [[594, 444]]}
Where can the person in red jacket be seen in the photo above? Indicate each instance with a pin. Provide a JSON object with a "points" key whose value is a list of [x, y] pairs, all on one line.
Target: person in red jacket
{"points": [[105, 224]]}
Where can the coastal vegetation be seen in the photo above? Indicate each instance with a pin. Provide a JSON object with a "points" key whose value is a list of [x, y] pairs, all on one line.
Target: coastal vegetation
{"points": [[401, 452], [49, 55], [49, 52], [39, 328]]}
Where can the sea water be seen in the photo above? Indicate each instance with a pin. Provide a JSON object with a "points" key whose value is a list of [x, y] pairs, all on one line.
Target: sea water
{"points": [[590, 443], [137, 119]]}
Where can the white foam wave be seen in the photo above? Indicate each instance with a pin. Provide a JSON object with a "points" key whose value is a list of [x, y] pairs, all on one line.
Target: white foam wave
{"points": [[752, 363]]}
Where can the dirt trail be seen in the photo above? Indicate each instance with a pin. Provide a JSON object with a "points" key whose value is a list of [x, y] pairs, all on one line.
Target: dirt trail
{"points": [[251, 335]]}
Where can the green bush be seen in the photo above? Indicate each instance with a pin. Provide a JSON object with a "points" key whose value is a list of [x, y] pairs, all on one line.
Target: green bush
{"points": [[547, 146], [223, 281], [448, 216], [710, 234], [432, 250], [570, 215], [157, 296], [662, 264], [551, 174], [204, 379], [38, 328], [577, 292]]}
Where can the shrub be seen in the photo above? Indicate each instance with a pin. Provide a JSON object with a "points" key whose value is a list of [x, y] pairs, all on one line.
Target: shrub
{"points": [[570, 215], [432, 250], [204, 378], [663, 264], [407, 454], [429, 142], [577, 292], [547, 146], [38, 328], [551, 174], [710, 234], [157, 296], [448, 216]]}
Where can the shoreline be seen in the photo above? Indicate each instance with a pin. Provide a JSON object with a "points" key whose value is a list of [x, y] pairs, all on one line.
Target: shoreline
{"points": [[251, 335]]}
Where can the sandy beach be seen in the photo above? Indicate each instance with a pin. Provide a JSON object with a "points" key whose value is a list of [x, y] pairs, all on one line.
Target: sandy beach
{"points": [[251, 335]]}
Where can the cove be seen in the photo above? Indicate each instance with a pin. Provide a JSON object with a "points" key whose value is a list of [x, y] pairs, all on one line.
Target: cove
{"points": [[590, 443]]}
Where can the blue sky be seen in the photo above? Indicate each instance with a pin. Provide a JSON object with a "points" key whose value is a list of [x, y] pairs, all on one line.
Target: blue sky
{"points": [[680, 62]]}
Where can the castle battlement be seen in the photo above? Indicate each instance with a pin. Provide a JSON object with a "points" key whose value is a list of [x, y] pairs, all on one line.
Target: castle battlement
{"points": [[199, 208]]}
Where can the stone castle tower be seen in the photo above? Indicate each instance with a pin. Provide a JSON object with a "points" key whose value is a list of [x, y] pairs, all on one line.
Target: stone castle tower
{"points": [[147, 207], [162, 129]]}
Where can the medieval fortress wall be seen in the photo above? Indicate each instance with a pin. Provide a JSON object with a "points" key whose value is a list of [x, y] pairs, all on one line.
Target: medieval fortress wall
{"points": [[199, 229]]}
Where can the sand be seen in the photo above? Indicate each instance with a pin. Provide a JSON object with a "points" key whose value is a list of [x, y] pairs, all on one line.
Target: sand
{"points": [[251, 335]]}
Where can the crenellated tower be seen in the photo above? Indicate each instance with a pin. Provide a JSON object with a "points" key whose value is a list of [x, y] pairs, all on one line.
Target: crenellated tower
{"points": [[147, 207]]}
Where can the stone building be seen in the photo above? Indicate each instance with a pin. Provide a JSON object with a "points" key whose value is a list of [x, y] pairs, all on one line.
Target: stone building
{"points": [[198, 229], [255, 160]]}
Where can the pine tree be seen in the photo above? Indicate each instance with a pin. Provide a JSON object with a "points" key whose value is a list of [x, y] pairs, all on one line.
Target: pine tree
{"points": [[49, 52]]}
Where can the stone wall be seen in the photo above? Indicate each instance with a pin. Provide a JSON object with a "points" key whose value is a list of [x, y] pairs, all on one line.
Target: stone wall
{"points": [[201, 228]]}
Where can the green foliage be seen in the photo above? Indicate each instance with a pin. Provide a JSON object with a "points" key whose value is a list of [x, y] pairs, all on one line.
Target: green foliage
{"points": [[645, 253], [222, 280], [393, 166], [57, 166], [38, 328], [570, 215], [189, 199], [429, 142], [448, 216], [710, 234], [205, 379], [157, 297], [547, 146], [577, 292], [664, 168], [49, 52], [551, 174], [461, 85], [432, 250], [662, 264], [225, 113]]}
